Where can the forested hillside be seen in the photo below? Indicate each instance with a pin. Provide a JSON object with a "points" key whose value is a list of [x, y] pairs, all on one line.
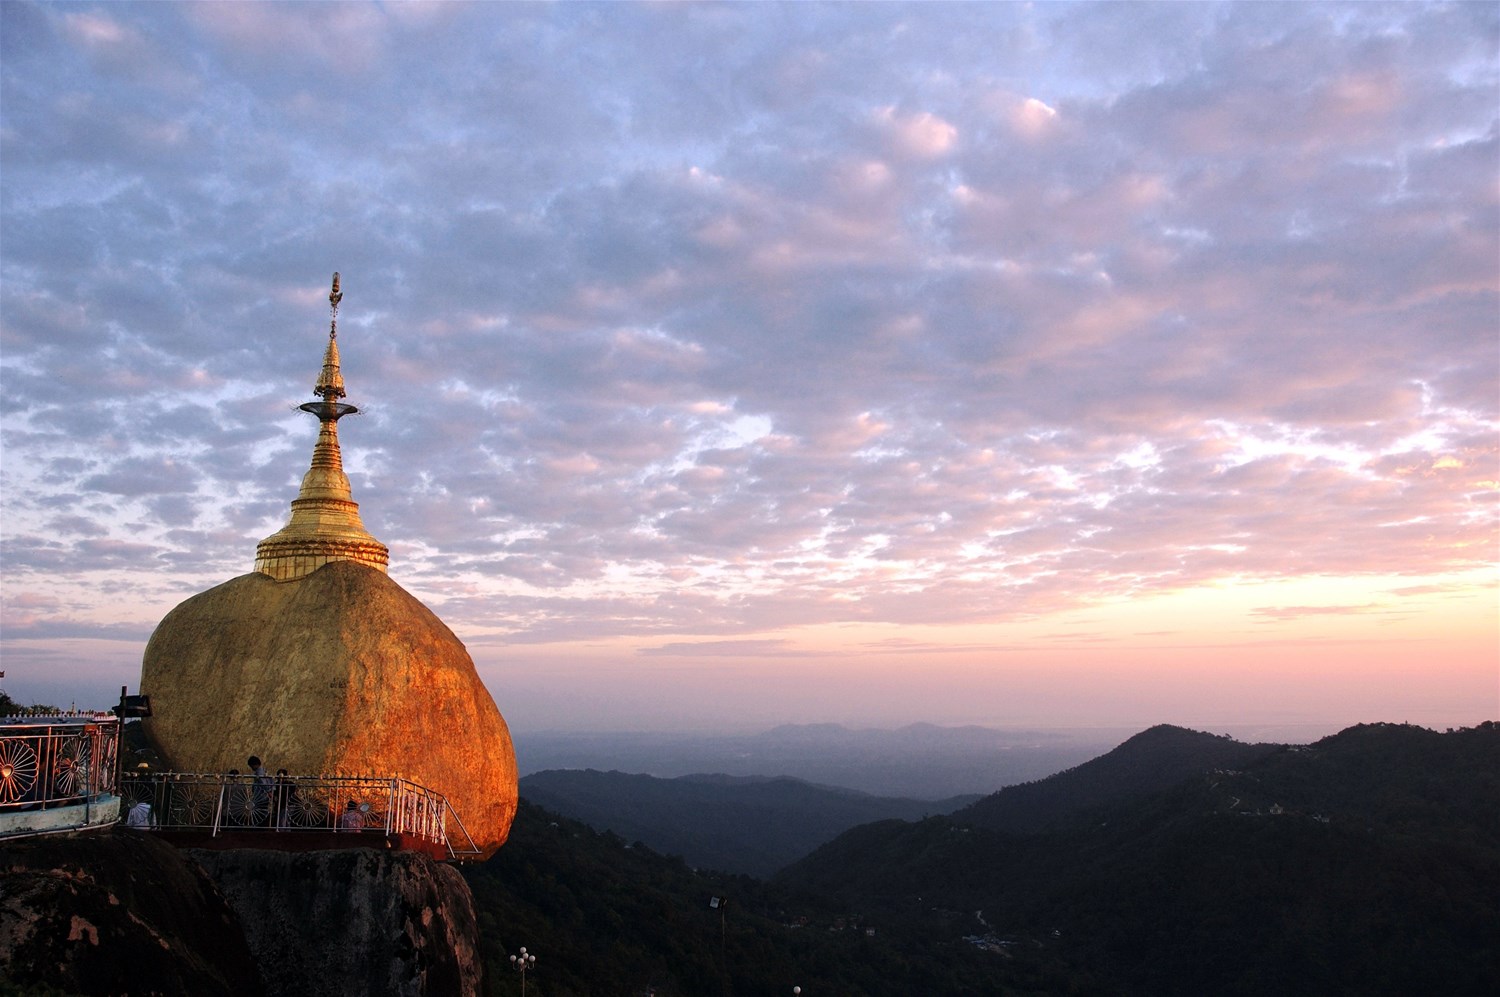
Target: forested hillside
{"points": [[606, 918], [1367, 863], [1152, 760]]}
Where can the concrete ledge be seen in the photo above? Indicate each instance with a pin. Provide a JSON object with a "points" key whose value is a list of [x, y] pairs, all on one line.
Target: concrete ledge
{"points": [[301, 841]]}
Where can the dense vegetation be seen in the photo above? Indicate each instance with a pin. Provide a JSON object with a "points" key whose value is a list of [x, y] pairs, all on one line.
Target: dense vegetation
{"points": [[605, 917], [1367, 863], [9, 707]]}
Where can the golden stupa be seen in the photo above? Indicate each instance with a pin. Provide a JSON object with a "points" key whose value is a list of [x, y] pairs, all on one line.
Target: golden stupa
{"points": [[319, 663]]}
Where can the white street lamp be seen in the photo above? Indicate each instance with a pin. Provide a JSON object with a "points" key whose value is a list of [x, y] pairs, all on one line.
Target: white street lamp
{"points": [[523, 961]]}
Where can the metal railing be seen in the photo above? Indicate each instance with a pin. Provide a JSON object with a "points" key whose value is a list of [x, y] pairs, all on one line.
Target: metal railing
{"points": [[56, 760], [223, 803]]}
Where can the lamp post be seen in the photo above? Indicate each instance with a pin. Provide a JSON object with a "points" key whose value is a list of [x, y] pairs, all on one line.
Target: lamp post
{"points": [[523, 961]]}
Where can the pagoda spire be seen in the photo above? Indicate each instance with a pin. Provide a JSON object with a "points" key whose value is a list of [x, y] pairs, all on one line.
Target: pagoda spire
{"points": [[325, 524]]}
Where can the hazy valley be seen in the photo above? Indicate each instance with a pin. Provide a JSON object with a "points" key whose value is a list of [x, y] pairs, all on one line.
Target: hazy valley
{"points": [[742, 824], [919, 761]]}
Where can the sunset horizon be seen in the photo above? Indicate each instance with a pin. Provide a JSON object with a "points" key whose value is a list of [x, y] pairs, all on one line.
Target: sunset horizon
{"points": [[736, 365]]}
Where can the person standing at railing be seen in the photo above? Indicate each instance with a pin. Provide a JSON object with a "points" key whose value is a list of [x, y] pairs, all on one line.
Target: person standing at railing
{"points": [[140, 815], [232, 800], [281, 798], [260, 799], [352, 819]]}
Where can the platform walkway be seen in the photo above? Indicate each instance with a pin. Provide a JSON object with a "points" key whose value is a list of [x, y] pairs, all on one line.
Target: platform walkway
{"points": [[294, 813]]}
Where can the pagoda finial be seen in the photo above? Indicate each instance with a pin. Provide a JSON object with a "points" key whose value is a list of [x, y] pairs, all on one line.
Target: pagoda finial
{"points": [[330, 386], [334, 297], [325, 524]]}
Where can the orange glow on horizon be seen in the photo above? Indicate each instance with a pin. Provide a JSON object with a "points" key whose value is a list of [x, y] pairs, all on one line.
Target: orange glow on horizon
{"points": [[1320, 651]]}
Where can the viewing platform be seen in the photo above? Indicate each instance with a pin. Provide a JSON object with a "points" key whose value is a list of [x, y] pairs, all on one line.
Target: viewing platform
{"points": [[294, 813], [58, 772]]}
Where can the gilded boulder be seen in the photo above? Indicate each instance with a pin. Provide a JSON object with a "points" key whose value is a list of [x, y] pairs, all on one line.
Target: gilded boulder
{"points": [[340, 672]]}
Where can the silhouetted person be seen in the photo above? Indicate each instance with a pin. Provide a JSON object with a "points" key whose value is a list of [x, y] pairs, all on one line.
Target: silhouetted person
{"points": [[281, 798], [232, 800], [260, 794]]}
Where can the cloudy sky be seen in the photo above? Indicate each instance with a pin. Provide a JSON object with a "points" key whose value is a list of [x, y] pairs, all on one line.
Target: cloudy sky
{"points": [[727, 365]]}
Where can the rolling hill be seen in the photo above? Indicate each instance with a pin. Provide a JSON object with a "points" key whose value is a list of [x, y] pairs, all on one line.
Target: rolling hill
{"points": [[1152, 760], [1366, 863]]}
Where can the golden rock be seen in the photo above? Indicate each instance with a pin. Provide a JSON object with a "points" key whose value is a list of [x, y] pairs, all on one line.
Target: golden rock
{"points": [[321, 664], [342, 672]]}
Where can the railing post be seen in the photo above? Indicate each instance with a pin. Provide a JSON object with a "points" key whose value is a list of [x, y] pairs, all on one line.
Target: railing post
{"points": [[45, 753], [218, 807], [119, 745]]}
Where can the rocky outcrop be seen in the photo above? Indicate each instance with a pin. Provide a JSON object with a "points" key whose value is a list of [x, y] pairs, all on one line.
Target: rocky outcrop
{"points": [[353, 922], [340, 672], [116, 912], [122, 912]]}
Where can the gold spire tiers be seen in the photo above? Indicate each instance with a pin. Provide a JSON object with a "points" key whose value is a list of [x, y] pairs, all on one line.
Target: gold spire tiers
{"points": [[325, 524]]}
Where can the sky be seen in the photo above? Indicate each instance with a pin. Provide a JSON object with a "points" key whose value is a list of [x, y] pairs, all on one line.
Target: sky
{"points": [[729, 365]]}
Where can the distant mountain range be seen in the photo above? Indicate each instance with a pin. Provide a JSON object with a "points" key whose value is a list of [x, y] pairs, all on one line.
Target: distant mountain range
{"points": [[745, 824], [757, 824], [919, 761]]}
